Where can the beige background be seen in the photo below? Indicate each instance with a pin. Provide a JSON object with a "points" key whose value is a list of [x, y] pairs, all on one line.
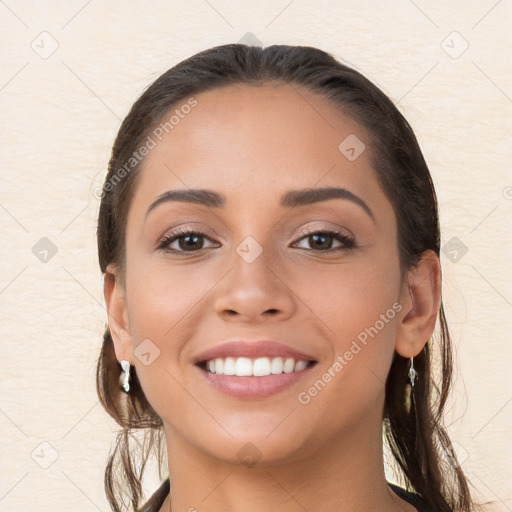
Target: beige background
{"points": [[60, 112]]}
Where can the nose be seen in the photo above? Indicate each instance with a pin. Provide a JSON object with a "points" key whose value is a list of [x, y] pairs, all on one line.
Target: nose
{"points": [[254, 293]]}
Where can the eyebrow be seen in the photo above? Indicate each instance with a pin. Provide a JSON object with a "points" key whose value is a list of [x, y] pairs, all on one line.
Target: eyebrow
{"points": [[289, 199]]}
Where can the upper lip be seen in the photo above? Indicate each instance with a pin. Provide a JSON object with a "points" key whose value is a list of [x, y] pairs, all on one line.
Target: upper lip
{"points": [[252, 349]]}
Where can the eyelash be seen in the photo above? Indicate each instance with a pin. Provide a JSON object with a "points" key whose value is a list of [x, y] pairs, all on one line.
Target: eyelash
{"points": [[347, 241]]}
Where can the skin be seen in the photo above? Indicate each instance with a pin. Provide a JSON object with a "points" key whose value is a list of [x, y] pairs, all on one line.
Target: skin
{"points": [[252, 144]]}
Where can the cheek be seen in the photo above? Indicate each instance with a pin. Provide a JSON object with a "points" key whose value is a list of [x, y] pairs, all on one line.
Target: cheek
{"points": [[161, 296], [358, 305], [167, 304], [352, 296]]}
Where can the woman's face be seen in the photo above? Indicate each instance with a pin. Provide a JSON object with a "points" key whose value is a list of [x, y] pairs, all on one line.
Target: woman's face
{"points": [[254, 270]]}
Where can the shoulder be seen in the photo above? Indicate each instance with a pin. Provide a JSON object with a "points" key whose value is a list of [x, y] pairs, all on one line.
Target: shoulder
{"points": [[154, 503], [414, 499]]}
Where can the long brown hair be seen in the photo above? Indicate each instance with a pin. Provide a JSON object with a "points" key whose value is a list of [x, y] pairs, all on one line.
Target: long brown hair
{"points": [[418, 441]]}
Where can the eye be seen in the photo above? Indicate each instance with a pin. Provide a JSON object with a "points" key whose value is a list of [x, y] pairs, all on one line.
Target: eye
{"points": [[323, 240], [184, 240]]}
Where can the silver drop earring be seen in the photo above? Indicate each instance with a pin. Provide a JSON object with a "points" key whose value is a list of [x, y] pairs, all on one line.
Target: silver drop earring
{"points": [[124, 379], [413, 375]]}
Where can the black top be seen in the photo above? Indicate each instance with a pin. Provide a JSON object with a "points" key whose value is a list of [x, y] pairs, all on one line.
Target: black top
{"points": [[157, 499]]}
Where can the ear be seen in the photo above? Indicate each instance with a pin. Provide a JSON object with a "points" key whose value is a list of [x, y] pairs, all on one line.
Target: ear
{"points": [[420, 298], [119, 325]]}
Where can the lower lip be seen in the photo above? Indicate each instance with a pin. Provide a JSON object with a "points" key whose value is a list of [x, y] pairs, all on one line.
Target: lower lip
{"points": [[253, 387]]}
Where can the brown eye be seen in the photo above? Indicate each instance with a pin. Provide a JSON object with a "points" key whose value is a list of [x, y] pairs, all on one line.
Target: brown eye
{"points": [[190, 242], [323, 241], [184, 241]]}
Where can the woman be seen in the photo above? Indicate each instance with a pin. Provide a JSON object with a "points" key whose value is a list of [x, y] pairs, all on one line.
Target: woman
{"points": [[269, 236]]}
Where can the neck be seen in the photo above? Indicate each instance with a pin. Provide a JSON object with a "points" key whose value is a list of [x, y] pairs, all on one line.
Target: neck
{"points": [[345, 475]]}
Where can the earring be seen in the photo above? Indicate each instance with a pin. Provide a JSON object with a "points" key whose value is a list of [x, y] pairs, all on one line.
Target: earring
{"points": [[124, 379], [413, 375]]}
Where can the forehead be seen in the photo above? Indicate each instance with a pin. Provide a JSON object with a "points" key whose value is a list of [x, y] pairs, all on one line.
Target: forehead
{"points": [[259, 140], [258, 122]]}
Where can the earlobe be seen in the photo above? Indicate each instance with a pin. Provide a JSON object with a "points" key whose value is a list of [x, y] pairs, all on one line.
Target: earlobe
{"points": [[421, 297], [119, 326]]}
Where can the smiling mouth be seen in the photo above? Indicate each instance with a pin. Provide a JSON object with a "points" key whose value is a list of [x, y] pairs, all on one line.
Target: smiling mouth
{"points": [[254, 367]]}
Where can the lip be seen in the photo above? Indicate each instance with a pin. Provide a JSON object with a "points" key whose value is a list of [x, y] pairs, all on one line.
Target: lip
{"points": [[253, 350], [252, 387]]}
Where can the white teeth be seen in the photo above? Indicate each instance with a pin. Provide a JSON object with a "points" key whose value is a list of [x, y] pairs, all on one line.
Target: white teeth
{"points": [[243, 367], [260, 367], [289, 365], [300, 365], [276, 366], [229, 366]]}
